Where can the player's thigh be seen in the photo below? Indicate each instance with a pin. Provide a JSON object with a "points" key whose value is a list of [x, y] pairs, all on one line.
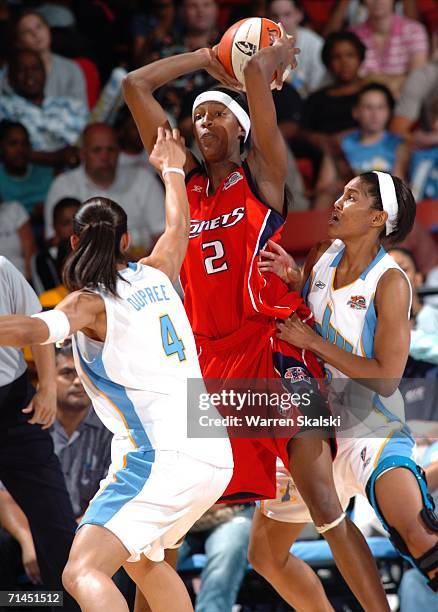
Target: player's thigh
{"points": [[398, 497], [270, 541], [97, 548]]}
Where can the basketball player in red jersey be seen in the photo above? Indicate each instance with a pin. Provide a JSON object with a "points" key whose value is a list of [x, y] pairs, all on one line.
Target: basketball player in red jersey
{"points": [[231, 311]]}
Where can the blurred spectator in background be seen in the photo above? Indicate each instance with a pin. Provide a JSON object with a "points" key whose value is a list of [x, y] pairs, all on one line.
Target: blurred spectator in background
{"points": [[424, 159], [52, 123], [83, 446], [47, 264], [347, 13], [64, 77], [411, 108], [21, 180], [198, 29], [424, 317], [29, 469], [222, 533], [132, 152], [310, 71], [136, 189], [328, 112], [394, 45], [371, 147], [16, 239], [152, 30]]}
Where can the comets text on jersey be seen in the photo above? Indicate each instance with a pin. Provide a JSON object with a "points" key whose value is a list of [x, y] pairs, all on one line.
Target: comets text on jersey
{"points": [[227, 220], [147, 296]]}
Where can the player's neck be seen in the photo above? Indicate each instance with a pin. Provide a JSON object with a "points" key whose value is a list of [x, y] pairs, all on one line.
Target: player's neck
{"points": [[217, 171], [359, 253]]}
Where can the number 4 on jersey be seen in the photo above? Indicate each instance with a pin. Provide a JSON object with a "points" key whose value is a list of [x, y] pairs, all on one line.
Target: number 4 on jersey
{"points": [[171, 343]]}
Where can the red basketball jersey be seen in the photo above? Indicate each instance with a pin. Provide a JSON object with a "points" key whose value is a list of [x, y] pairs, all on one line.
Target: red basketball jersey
{"points": [[219, 276]]}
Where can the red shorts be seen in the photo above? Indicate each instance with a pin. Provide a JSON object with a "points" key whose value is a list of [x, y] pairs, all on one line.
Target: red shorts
{"points": [[249, 354]]}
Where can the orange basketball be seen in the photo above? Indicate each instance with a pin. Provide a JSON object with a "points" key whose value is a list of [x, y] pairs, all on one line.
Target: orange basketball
{"points": [[242, 40]]}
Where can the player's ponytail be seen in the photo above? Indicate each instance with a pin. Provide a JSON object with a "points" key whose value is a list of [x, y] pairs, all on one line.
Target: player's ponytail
{"points": [[99, 225]]}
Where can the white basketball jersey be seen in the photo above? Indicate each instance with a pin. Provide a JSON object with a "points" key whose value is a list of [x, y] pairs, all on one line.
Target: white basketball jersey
{"points": [[137, 379], [346, 316]]}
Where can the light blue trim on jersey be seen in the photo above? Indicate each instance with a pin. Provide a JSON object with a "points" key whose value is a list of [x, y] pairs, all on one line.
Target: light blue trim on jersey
{"points": [[380, 255], [305, 290], [117, 394], [133, 266], [369, 331], [380, 407], [129, 481], [337, 258]]}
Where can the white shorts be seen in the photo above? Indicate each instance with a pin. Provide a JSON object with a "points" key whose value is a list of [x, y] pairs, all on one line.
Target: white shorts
{"points": [[154, 499], [355, 461]]}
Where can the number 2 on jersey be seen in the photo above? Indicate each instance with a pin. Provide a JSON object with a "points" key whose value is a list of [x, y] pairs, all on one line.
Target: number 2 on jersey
{"points": [[171, 343], [211, 264]]}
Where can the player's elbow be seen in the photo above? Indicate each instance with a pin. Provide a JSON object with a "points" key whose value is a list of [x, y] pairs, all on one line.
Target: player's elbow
{"points": [[135, 80], [386, 387]]}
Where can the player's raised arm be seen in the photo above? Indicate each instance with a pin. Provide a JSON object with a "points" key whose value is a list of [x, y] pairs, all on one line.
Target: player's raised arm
{"points": [[139, 85], [168, 157], [268, 157]]}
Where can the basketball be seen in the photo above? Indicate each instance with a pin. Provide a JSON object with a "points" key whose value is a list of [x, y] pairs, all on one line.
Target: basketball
{"points": [[242, 40]]}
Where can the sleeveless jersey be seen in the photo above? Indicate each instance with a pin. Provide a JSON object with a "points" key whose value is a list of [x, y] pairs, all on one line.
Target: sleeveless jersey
{"points": [[347, 317], [137, 378], [222, 285]]}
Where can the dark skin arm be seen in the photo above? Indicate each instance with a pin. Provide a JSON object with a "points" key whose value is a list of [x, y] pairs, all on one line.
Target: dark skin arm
{"points": [[268, 156], [391, 342], [85, 312], [269, 145], [139, 85]]}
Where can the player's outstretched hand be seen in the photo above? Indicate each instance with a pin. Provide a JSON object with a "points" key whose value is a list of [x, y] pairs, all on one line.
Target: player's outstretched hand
{"points": [[169, 150], [288, 59], [277, 261]]}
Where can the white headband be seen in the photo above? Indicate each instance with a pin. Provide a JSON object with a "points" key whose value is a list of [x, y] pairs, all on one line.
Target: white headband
{"points": [[389, 199], [219, 96]]}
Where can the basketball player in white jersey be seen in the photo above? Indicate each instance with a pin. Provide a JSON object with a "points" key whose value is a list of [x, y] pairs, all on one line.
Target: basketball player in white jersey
{"points": [[134, 352], [361, 300]]}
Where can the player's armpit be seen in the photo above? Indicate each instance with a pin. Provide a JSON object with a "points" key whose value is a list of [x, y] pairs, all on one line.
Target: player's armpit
{"points": [[85, 311]]}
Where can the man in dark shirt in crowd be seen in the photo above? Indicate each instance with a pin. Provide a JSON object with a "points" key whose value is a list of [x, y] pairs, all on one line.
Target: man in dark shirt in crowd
{"points": [[83, 447]]}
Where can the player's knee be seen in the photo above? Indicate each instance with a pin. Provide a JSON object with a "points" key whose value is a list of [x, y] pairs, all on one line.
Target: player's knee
{"points": [[72, 576], [263, 561], [323, 504]]}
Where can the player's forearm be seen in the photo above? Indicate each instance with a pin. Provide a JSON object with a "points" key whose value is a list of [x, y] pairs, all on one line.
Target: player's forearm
{"points": [[13, 519], [176, 204], [20, 330], [369, 371], [44, 357], [155, 75]]}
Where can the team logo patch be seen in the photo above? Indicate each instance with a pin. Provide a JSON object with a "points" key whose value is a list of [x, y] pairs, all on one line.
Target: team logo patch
{"points": [[297, 374], [245, 47], [234, 178], [357, 302], [320, 284], [363, 456], [197, 188]]}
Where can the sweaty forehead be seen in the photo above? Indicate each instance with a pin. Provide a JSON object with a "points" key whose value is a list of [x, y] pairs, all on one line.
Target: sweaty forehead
{"points": [[355, 184]]}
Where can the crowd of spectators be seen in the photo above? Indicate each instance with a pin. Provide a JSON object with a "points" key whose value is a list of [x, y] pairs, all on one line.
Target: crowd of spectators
{"points": [[364, 96]]}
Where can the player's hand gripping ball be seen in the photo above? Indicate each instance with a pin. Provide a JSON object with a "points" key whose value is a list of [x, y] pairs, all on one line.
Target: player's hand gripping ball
{"points": [[243, 39]]}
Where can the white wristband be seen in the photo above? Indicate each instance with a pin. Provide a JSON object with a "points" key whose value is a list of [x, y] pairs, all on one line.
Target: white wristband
{"points": [[175, 170], [58, 324]]}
